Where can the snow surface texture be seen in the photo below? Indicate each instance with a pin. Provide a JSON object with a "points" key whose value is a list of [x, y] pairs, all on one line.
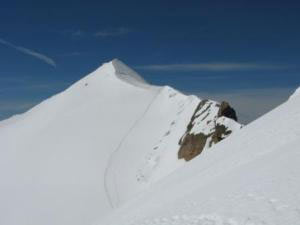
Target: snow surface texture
{"points": [[250, 178], [77, 156]]}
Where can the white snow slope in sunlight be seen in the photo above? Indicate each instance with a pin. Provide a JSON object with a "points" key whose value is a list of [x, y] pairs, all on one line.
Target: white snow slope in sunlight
{"points": [[251, 178], [85, 152]]}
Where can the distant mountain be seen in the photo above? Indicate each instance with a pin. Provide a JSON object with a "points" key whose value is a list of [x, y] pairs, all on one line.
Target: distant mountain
{"points": [[92, 148]]}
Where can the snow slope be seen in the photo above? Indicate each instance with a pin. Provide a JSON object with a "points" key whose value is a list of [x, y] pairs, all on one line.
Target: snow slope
{"points": [[88, 150], [251, 178]]}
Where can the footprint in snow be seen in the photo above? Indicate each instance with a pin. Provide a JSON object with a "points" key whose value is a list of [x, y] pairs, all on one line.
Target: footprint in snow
{"points": [[172, 95], [179, 112], [167, 133]]}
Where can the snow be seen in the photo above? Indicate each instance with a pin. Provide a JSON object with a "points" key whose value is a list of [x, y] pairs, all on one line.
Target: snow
{"points": [[296, 93], [208, 115], [252, 177], [84, 153], [104, 152], [128, 75]]}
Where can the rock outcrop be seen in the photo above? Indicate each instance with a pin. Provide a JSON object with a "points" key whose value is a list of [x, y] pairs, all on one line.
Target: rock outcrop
{"points": [[210, 124], [227, 111]]}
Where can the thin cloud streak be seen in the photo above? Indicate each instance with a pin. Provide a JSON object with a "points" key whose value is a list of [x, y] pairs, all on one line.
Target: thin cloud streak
{"points": [[211, 67], [30, 52], [78, 33], [71, 54], [112, 33]]}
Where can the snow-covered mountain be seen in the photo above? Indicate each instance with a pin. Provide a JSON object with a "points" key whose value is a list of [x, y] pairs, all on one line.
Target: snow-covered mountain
{"points": [[251, 178], [79, 155]]}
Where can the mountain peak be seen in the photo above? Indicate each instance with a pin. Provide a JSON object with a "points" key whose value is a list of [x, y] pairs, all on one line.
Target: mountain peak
{"points": [[126, 74]]}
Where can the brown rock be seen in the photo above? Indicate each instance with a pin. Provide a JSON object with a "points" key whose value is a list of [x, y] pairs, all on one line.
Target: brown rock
{"points": [[226, 110], [191, 146], [218, 135]]}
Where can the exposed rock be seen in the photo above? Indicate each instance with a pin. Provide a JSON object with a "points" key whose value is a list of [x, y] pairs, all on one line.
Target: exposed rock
{"points": [[226, 110], [219, 134], [191, 123], [191, 146], [200, 105], [208, 123]]}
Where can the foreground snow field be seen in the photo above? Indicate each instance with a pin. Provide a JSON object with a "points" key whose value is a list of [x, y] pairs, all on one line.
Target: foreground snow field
{"points": [[252, 177], [80, 155]]}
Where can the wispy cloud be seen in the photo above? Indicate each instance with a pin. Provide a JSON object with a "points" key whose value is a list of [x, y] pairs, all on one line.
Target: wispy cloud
{"points": [[113, 32], [30, 52], [77, 33], [210, 67], [73, 33], [71, 54]]}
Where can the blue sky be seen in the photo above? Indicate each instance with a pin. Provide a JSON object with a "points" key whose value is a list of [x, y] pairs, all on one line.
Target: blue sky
{"points": [[247, 51]]}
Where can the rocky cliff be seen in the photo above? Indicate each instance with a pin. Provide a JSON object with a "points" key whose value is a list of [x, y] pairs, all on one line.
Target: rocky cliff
{"points": [[210, 124]]}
